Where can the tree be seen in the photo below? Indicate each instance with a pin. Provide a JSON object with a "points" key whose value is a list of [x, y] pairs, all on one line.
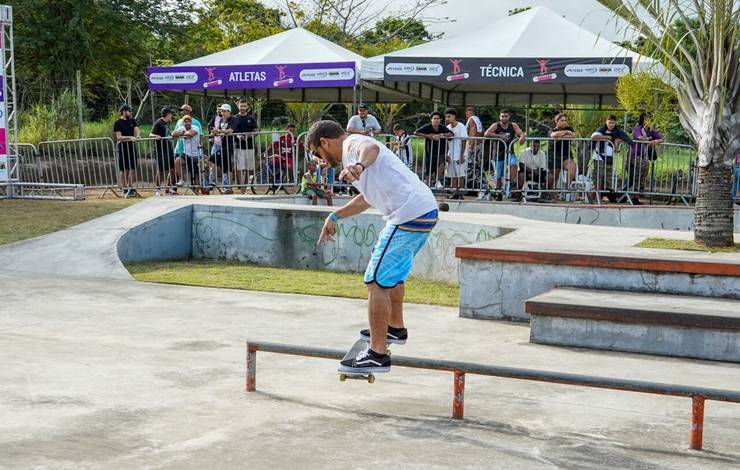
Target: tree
{"points": [[102, 38], [219, 25], [345, 22], [644, 92], [702, 66]]}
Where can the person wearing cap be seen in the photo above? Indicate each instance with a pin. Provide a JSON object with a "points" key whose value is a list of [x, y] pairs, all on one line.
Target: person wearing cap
{"points": [[363, 123], [191, 155], [163, 150], [225, 130], [126, 132]]}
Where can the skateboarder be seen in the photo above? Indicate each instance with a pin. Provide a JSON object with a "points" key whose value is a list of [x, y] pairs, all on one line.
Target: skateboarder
{"points": [[410, 211]]}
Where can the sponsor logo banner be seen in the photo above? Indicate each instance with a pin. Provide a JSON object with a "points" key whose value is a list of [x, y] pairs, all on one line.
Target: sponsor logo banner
{"points": [[481, 70], [338, 74]]}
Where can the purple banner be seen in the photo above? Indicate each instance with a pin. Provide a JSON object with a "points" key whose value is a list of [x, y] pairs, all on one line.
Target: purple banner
{"points": [[240, 77]]}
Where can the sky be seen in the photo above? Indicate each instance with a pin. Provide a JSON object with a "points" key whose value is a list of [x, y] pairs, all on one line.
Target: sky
{"points": [[458, 15]]}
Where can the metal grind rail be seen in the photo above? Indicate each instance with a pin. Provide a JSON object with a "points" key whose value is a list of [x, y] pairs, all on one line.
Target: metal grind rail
{"points": [[697, 394]]}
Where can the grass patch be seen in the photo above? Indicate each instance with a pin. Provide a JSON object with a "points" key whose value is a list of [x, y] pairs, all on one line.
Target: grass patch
{"points": [[233, 275], [23, 219], [690, 245]]}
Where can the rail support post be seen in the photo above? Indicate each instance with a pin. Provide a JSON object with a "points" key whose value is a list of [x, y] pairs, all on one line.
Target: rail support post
{"points": [[458, 395], [697, 422], [251, 384]]}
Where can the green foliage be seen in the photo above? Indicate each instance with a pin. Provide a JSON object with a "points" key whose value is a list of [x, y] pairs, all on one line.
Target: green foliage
{"points": [[219, 25], [647, 93], [56, 120]]}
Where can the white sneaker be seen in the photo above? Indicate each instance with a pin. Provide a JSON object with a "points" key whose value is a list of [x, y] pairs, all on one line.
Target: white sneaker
{"points": [[157, 193], [481, 196], [438, 185], [180, 182]]}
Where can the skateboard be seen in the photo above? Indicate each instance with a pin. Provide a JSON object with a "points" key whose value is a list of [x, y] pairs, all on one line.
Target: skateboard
{"points": [[359, 345]]}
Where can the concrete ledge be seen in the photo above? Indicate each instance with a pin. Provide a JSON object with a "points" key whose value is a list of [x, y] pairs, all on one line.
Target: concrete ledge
{"points": [[671, 325], [695, 343], [645, 263], [636, 307]]}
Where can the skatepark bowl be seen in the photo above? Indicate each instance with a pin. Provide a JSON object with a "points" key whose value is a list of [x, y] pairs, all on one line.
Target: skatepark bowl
{"points": [[103, 371]]}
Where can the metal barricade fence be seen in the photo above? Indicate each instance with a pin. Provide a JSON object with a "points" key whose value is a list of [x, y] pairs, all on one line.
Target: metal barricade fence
{"points": [[664, 170], [566, 169], [27, 163], [90, 162]]}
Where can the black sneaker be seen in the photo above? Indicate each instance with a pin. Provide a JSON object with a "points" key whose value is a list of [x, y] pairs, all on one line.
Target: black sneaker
{"points": [[366, 362], [395, 335]]}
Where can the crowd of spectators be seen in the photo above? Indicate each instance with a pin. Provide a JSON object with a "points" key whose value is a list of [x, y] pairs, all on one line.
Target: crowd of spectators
{"points": [[459, 156]]}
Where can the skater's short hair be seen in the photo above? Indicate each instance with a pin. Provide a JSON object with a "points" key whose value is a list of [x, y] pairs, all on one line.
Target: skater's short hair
{"points": [[505, 111], [436, 113], [452, 111], [397, 127], [323, 129]]}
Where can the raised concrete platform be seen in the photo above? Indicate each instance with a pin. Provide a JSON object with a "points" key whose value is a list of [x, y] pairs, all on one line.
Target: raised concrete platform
{"points": [[671, 325], [498, 276]]}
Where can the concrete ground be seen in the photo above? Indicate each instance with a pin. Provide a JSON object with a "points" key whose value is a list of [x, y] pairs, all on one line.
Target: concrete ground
{"points": [[119, 374], [101, 371]]}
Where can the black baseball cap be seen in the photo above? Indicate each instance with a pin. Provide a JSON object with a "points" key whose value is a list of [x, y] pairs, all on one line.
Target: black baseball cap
{"points": [[165, 111], [124, 107], [362, 106]]}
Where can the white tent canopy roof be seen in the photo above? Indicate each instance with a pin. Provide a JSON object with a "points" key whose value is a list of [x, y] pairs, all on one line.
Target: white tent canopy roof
{"points": [[295, 46], [536, 33]]}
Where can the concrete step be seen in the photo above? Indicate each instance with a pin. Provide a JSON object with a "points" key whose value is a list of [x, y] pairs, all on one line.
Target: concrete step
{"points": [[670, 325]]}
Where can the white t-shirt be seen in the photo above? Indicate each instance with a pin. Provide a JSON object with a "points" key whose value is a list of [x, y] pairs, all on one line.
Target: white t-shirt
{"points": [[478, 123], [191, 145], [370, 123], [388, 185], [455, 146]]}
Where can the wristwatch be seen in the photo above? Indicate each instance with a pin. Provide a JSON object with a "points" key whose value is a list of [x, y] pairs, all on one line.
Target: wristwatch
{"points": [[333, 217]]}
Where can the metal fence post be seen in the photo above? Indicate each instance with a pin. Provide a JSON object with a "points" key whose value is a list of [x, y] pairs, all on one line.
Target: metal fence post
{"points": [[458, 395], [251, 384], [697, 422]]}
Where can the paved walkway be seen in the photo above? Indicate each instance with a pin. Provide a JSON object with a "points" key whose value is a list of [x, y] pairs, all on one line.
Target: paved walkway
{"points": [[102, 371]]}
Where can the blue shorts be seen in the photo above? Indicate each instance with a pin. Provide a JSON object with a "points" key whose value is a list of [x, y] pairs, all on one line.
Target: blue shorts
{"points": [[500, 165], [393, 256]]}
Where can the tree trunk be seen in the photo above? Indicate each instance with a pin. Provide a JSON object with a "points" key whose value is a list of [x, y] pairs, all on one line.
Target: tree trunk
{"points": [[713, 214]]}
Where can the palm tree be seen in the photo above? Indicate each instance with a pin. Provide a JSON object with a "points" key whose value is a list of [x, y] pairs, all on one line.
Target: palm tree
{"points": [[698, 43]]}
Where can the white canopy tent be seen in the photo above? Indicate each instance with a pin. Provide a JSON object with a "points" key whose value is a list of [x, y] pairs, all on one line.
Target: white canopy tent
{"points": [[307, 52], [527, 37]]}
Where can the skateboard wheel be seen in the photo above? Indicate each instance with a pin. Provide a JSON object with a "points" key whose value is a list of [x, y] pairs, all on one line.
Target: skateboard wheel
{"points": [[371, 379], [342, 377]]}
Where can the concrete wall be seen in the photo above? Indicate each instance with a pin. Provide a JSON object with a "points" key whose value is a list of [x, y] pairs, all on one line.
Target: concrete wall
{"points": [[162, 238], [287, 238], [697, 343], [654, 217], [495, 290]]}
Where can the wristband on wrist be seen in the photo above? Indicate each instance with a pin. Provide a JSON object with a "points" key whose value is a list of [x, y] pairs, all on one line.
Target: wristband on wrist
{"points": [[333, 217], [363, 166]]}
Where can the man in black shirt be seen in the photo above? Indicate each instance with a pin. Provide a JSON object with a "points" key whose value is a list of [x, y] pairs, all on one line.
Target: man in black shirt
{"points": [[435, 149], [245, 151], [225, 130], [163, 150], [126, 132]]}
